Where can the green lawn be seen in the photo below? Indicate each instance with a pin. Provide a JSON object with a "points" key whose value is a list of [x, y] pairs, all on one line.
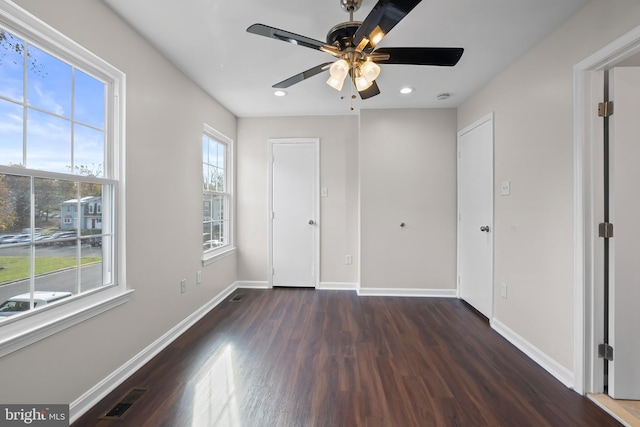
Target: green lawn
{"points": [[14, 268]]}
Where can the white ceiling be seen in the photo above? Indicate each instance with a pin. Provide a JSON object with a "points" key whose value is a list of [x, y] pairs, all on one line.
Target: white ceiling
{"points": [[207, 40]]}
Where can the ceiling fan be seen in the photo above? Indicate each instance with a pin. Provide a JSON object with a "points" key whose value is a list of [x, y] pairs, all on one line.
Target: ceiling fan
{"points": [[354, 44]]}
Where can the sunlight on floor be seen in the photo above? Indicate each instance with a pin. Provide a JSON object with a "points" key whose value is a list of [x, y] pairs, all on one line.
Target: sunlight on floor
{"points": [[216, 402]]}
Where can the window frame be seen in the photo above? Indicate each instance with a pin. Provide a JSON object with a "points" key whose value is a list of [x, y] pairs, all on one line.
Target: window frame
{"points": [[30, 327], [211, 255]]}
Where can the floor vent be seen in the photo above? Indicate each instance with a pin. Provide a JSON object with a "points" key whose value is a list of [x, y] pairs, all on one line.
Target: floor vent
{"points": [[120, 408], [237, 298]]}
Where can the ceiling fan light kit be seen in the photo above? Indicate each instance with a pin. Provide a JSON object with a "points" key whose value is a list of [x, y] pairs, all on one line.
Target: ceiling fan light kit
{"points": [[354, 45], [337, 73]]}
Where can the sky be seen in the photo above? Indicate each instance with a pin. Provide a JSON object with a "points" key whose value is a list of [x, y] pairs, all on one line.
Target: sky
{"points": [[64, 111]]}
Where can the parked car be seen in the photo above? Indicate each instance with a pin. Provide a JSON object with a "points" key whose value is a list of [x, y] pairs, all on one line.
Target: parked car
{"points": [[20, 303], [18, 238], [6, 237]]}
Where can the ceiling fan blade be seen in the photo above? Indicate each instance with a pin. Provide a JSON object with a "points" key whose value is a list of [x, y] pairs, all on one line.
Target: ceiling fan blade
{"points": [[303, 75], [441, 56], [382, 18], [370, 92], [285, 36]]}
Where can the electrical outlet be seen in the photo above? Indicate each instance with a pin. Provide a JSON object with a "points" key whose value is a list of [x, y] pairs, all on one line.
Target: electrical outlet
{"points": [[199, 277], [504, 291], [183, 286], [348, 260], [505, 189]]}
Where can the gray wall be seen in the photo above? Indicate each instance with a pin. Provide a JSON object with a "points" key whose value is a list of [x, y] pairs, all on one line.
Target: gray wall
{"points": [[338, 173], [165, 116], [408, 174], [533, 105]]}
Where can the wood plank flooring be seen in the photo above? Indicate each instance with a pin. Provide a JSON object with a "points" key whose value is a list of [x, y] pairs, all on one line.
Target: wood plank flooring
{"points": [[298, 357]]}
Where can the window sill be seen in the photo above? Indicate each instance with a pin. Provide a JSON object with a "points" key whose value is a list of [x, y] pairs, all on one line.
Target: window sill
{"points": [[29, 329], [210, 258]]}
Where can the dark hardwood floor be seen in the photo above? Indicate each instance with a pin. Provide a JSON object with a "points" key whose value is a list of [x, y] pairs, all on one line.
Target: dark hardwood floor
{"points": [[295, 357]]}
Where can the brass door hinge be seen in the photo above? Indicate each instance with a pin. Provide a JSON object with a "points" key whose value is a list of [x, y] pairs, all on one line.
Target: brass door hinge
{"points": [[605, 109]]}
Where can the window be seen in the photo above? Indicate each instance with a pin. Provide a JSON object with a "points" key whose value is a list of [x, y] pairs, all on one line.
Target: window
{"points": [[216, 201], [59, 159]]}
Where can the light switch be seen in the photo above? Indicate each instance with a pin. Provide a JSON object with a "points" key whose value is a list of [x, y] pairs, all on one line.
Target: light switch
{"points": [[324, 192], [506, 188]]}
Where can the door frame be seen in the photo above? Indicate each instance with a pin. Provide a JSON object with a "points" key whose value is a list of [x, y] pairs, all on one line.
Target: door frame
{"points": [[588, 374], [316, 209]]}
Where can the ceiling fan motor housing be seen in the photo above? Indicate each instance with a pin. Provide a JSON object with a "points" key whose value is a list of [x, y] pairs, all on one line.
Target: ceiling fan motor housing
{"points": [[341, 36]]}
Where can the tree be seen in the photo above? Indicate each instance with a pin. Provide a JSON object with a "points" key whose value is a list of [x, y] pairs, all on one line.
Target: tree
{"points": [[7, 208], [11, 43], [50, 193], [87, 188]]}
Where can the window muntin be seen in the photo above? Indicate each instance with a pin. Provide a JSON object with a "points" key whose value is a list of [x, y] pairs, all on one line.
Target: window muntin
{"points": [[54, 173], [216, 203]]}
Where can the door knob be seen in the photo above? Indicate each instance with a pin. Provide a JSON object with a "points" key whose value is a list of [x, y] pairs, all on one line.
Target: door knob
{"points": [[484, 228], [311, 222]]}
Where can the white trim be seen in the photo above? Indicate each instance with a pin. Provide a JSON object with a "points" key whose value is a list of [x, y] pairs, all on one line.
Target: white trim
{"points": [[246, 284], [90, 398], [206, 260], [38, 326], [405, 292], [316, 237], [338, 286], [585, 372], [562, 374]]}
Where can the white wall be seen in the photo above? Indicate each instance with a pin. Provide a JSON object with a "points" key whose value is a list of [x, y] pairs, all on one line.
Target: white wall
{"points": [[338, 212], [165, 116], [533, 104], [408, 174]]}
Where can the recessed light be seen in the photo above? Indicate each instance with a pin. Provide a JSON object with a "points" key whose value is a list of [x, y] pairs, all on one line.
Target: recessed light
{"points": [[406, 90], [280, 93]]}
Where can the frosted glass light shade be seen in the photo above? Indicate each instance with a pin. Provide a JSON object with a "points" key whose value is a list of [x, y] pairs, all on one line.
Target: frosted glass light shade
{"points": [[338, 72], [370, 71], [335, 83], [362, 83], [339, 69]]}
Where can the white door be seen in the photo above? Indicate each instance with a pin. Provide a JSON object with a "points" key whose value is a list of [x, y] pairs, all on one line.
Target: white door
{"points": [[624, 271], [475, 215], [294, 212]]}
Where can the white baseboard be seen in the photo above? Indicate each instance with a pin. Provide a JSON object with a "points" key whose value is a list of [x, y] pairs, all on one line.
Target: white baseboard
{"points": [[399, 292], [98, 392], [562, 374], [338, 286], [252, 284]]}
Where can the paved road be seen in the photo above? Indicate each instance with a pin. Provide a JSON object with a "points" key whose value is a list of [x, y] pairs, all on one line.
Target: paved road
{"points": [[91, 275]]}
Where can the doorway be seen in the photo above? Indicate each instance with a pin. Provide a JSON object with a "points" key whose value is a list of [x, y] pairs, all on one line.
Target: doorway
{"points": [[475, 215], [294, 255], [591, 371]]}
